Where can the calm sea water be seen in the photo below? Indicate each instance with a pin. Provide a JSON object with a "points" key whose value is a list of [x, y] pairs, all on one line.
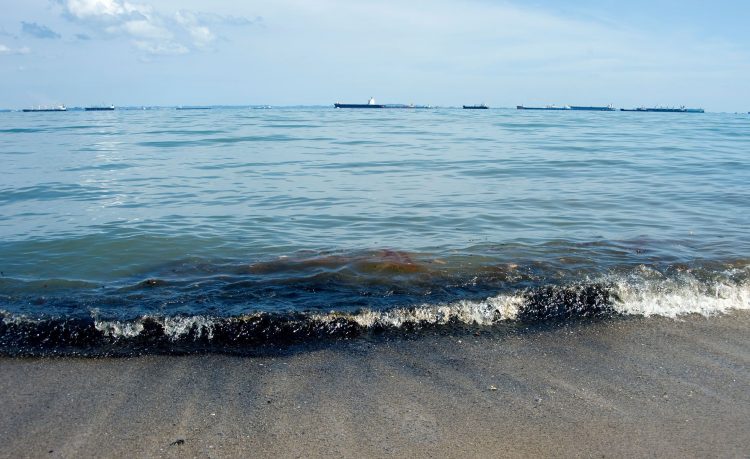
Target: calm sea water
{"points": [[233, 223]]}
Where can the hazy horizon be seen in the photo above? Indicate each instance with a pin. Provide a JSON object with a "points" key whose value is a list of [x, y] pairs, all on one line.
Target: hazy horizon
{"points": [[138, 107], [444, 53]]}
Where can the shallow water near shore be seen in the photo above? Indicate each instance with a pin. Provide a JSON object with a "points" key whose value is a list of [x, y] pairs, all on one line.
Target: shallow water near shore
{"points": [[228, 229]]}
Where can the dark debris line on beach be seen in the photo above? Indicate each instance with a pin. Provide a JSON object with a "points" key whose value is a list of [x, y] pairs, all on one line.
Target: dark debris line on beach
{"points": [[82, 336]]}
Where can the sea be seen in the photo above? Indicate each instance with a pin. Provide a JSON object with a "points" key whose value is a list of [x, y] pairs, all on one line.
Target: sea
{"points": [[238, 229]]}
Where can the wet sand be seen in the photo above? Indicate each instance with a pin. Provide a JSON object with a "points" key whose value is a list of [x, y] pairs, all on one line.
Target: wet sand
{"points": [[622, 387]]}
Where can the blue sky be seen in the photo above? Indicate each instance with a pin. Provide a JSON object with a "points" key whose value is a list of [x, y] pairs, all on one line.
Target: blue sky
{"points": [[440, 52]]}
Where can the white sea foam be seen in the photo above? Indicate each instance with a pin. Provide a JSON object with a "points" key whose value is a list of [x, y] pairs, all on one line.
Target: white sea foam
{"points": [[658, 296], [178, 326], [119, 329], [645, 293], [673, 298], [9, 318], [175, 327], [487, 312]]}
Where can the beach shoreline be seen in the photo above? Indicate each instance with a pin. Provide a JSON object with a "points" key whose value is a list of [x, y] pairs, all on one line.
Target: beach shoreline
{"points": [[611, 388]]}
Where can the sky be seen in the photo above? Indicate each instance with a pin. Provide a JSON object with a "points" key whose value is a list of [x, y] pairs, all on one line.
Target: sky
{"points": [[317, 52]]}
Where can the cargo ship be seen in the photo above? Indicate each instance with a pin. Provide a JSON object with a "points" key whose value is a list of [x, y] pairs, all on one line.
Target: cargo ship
{"points": [[663, 110], [405, 106], [370, 104], [59, 108], [476, 107], [608, 108], [548, 107], [100, 108]]}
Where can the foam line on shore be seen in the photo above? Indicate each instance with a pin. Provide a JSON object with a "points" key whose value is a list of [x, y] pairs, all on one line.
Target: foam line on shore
{"points": [[645, 294]]}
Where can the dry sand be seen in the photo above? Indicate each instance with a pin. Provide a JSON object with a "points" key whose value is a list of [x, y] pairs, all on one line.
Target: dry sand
{"points": [[620, 388]]}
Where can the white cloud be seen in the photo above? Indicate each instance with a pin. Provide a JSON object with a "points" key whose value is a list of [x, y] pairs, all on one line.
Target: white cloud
{"points": [[149, 30], [98, 9], [7, 50], [119, 18], [200, 34], [89, 8], [143, 29], [161, 49]]}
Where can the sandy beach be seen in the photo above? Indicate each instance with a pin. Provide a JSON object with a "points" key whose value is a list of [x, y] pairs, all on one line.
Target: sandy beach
{"points": [[617, 388]]}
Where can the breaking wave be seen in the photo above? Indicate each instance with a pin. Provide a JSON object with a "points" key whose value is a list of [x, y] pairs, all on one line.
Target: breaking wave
{"points": [[645, 292]]}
